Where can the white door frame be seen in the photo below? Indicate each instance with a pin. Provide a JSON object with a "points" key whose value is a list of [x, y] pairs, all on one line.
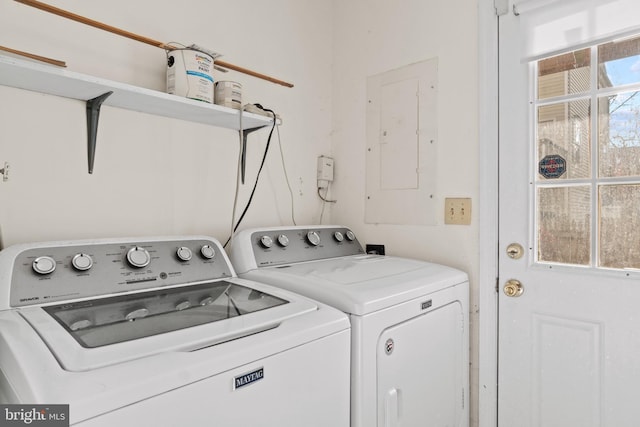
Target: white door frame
{"points": [[488, 11]]}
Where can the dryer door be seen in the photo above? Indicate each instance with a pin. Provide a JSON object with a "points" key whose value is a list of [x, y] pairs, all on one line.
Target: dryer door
{"points": [[431, 391]]}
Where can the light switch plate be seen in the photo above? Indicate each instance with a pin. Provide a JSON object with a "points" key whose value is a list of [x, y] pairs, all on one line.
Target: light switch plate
{"points": [[457, 211]]}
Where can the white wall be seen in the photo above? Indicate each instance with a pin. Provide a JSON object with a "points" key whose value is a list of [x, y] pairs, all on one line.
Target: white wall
{"points": [[155, 175], [374, 36]]}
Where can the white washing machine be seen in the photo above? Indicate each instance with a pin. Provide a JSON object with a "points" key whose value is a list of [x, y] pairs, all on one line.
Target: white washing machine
{"points": [[409, 320], [160, 331]]}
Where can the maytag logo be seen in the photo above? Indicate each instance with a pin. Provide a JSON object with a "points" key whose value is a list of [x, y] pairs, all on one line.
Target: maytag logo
{"points": [[34, 415], [248, 378]]}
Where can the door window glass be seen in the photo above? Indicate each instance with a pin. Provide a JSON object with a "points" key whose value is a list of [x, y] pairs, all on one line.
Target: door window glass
{"points": [[619, 134], [619, 225], [564, 74], [619, 63], [563, 133], [564, 224], [587, 170]]}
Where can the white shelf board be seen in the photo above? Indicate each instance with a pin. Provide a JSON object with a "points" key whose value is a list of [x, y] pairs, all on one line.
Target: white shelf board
{"points": [[52, 80]]}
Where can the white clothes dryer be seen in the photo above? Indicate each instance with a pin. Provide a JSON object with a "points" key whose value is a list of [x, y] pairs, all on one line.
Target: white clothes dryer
{"points": [[409, 319], [160, 331]]}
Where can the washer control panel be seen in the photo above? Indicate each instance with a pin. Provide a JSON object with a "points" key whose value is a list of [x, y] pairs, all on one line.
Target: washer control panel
{"points": [[43, 273], [288, 246]]}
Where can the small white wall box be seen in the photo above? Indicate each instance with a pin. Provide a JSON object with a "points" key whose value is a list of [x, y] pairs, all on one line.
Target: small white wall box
{"points": [[325, 171]]}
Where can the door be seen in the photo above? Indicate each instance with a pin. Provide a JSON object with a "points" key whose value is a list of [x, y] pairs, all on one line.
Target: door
{"points": [[569, 231]]}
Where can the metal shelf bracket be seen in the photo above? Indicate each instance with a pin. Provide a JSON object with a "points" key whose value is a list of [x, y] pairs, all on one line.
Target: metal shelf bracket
{"points": [[93, 114], [243, 162]]}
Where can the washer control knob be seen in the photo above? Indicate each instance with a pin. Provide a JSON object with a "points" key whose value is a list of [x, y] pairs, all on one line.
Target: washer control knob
{"points": [[80, 324], [266, 241], [138, 257], [207, 301], [184, 253], [183, 305], [207, 251], [44, 265], [283, 240], [137, 314], [350, 236], [82, 262], [338, 236], [313, 238]]}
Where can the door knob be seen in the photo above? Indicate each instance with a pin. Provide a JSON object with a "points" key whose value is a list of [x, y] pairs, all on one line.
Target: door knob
{"points": [[513, 288]]}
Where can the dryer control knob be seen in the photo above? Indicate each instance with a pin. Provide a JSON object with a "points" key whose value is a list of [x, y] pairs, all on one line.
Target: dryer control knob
{"points": [[338, 236], [350, 236], [82, 262], [266, 241], [207, 251], [44, 265], [313, 238], [138, 257], [283, 240], [184, 253]]}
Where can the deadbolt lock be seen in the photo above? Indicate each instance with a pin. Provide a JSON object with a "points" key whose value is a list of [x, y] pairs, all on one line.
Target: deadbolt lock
{"points": [[515, 251], [513, 288]]}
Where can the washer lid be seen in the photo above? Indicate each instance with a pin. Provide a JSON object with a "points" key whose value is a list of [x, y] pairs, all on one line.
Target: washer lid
{"points": [[105, 321], [361, 284], [88, 334]]}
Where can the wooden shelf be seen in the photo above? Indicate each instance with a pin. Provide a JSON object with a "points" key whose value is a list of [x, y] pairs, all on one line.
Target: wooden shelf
{"points": [[52, 80]]}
